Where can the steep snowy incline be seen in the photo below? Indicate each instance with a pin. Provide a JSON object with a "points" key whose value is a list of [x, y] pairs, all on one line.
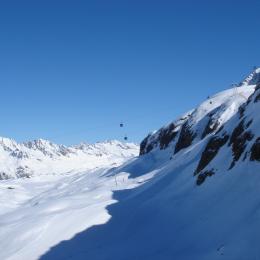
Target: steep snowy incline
{"points": [[41, 157], [221, 123], [195, 125], [199, 197], [207, 118]]}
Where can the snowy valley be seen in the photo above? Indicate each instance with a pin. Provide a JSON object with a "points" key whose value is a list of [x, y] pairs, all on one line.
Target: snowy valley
{"points": [[190, 192]]}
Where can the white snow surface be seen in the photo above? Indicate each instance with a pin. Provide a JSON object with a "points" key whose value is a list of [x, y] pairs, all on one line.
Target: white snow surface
{"points": [[65, 187], [146, 207]]}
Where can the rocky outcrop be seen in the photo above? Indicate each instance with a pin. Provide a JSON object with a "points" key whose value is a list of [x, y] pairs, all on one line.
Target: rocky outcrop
{"points": [[19, 154], [210, 151], [255, 150], [185, 139], [252, 79], [146, 146], [24, 172], [210, 127], [167, 135], [239, 139], [202, 176]]}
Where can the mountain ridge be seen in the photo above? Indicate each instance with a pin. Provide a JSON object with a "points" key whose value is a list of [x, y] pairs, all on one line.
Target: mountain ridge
{"points": [[31, 158], [220, 121]]}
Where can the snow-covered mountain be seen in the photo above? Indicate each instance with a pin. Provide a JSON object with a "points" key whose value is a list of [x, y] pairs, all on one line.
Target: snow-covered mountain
{"points": [[193, 193], [41, 157], [223, 131]]}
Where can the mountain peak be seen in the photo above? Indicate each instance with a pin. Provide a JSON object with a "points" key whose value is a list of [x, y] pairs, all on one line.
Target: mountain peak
{"points": [[252, 79]]}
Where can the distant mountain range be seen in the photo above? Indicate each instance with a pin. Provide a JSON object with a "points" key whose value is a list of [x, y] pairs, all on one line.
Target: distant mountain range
{"points": [[41, 157]]}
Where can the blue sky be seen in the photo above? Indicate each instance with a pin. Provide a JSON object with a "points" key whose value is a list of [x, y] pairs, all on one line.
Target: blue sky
{"points": [[70, 71]]}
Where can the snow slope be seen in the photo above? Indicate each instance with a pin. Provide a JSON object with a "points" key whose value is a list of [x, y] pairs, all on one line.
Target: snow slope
{"points": [[65, 187], [39, 212], [191, 194]]}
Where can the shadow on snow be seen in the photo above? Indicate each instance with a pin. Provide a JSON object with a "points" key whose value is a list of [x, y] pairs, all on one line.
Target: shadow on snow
{"points": [[141, 225]]}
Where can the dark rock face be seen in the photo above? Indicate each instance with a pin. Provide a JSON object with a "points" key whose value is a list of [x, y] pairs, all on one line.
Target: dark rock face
{"points": [[167, 135], [185, 139], [210, 128], [238, 140], [241, 111], [147, 145], [19, 154], [257, 98], [257, 87], [143, 146], [255, 150], [23, 171], [211, 150], [202, 177]]}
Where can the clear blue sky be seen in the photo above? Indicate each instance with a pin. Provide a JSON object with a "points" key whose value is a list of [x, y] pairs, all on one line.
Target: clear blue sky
{"points": [[72, 70]]}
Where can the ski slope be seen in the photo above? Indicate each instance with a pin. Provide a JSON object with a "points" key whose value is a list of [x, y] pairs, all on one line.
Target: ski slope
{"points": [[193, 193], [38, 212]]}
